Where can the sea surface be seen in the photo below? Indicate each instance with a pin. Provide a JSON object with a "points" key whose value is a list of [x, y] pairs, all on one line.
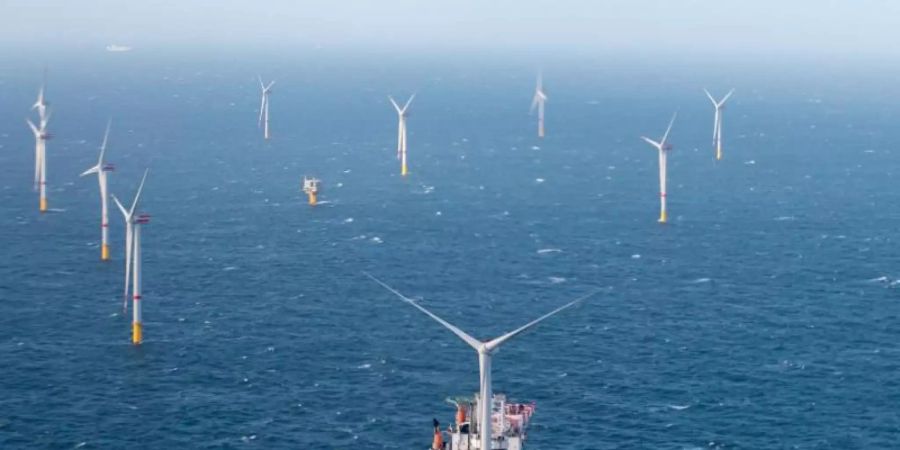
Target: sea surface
{"points": [[763, 316]]}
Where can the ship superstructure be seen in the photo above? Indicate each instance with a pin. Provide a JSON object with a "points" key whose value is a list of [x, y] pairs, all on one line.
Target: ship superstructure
{"points": [[509, 425]]}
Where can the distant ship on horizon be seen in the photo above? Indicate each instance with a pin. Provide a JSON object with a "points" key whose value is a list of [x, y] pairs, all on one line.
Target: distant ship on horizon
{"points": [[118, 48]]}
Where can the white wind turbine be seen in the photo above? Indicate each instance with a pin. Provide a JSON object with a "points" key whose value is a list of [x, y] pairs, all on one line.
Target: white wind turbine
{"points": [[41, 135], [401, 132], [663, 147], [485, 350], [133, 260], [264, 107], [717, 124], [101, 170], [538, 102]]}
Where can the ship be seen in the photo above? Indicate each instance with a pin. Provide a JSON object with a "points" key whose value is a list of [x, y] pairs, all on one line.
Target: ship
{"points": [[509, 425]]}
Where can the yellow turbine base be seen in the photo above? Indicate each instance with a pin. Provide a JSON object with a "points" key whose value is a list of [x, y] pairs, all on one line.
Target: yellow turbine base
{"points": [[403, 170], [43, 205], [663, 217], [719, 154], [104, 252], [137, 333], [312, 198]]}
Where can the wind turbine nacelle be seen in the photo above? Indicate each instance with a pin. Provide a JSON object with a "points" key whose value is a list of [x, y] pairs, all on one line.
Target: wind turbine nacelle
{"points": [[668, 147], [46, 136], [109, 167], [143, 218]]}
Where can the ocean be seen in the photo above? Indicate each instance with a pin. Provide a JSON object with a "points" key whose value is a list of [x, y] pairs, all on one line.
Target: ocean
{"points": [[764, 315]]}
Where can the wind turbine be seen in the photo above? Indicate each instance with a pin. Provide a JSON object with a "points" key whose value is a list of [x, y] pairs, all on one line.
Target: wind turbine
{"points": [[264, 107], [401, 132], [663, 147], [485, 350], [717, 124], [41, 135], [538, 102], [133, 260], [101, 170]]}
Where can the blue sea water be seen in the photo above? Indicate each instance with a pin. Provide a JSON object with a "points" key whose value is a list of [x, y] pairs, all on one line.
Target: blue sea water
{"points": [[763, 316]]}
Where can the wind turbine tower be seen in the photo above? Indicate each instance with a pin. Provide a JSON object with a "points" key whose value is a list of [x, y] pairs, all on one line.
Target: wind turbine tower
{"points": [[401, 132], [102, 169], [664, 147], [538, 102], [41, 135], [264, 107], [133, 225], [717, 123]]}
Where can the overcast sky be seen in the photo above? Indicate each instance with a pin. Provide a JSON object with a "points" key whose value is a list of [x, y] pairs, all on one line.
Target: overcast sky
{"points": [[842, 29]]}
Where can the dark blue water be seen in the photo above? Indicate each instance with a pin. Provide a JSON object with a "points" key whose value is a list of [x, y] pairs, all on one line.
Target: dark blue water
{"points": [[763, 316]]}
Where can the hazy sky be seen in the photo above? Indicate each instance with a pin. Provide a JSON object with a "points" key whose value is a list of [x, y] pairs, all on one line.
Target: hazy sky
{"points": [[846, 28]]}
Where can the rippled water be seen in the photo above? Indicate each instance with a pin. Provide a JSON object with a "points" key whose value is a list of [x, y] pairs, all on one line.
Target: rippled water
{"points": [[763, 316]]}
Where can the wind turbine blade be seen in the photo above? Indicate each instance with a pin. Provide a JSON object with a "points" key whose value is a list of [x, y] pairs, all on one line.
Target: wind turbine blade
{"points": [[716, 126], [651, 142], [261, 84], [711, 97], [34, 128], [129, 243], [262, 107], [121, 208], [725, 99], [500, 340], [396, 106], [270, 85], [37, 166], [137, 196], [534, 102], [105, 140], [94, 169], [411, 97], [474, 343], [666, 136]]}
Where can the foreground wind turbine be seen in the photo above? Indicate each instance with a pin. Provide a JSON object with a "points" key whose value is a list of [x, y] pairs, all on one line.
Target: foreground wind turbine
{"points": [[663, 147], [538, 102], [264, 107], [401, 132], [717, 124], [133, 260], [485, 350], [41, 135], [101, 170]]}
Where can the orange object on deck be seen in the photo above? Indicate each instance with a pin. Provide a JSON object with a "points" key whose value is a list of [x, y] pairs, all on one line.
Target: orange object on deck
{"points": [[460, 414], [438, 443]]}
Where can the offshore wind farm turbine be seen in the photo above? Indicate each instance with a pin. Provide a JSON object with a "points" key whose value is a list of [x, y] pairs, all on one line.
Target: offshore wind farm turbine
{"points": [[401, 132], [41, 135], [101, 170], [717, 124], [485, 350], [133, 261], [538, 102], [663, 146], [264, 107]]}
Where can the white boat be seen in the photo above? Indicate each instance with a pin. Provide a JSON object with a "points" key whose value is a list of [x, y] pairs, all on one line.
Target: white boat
{"points": [[509, 425]]}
